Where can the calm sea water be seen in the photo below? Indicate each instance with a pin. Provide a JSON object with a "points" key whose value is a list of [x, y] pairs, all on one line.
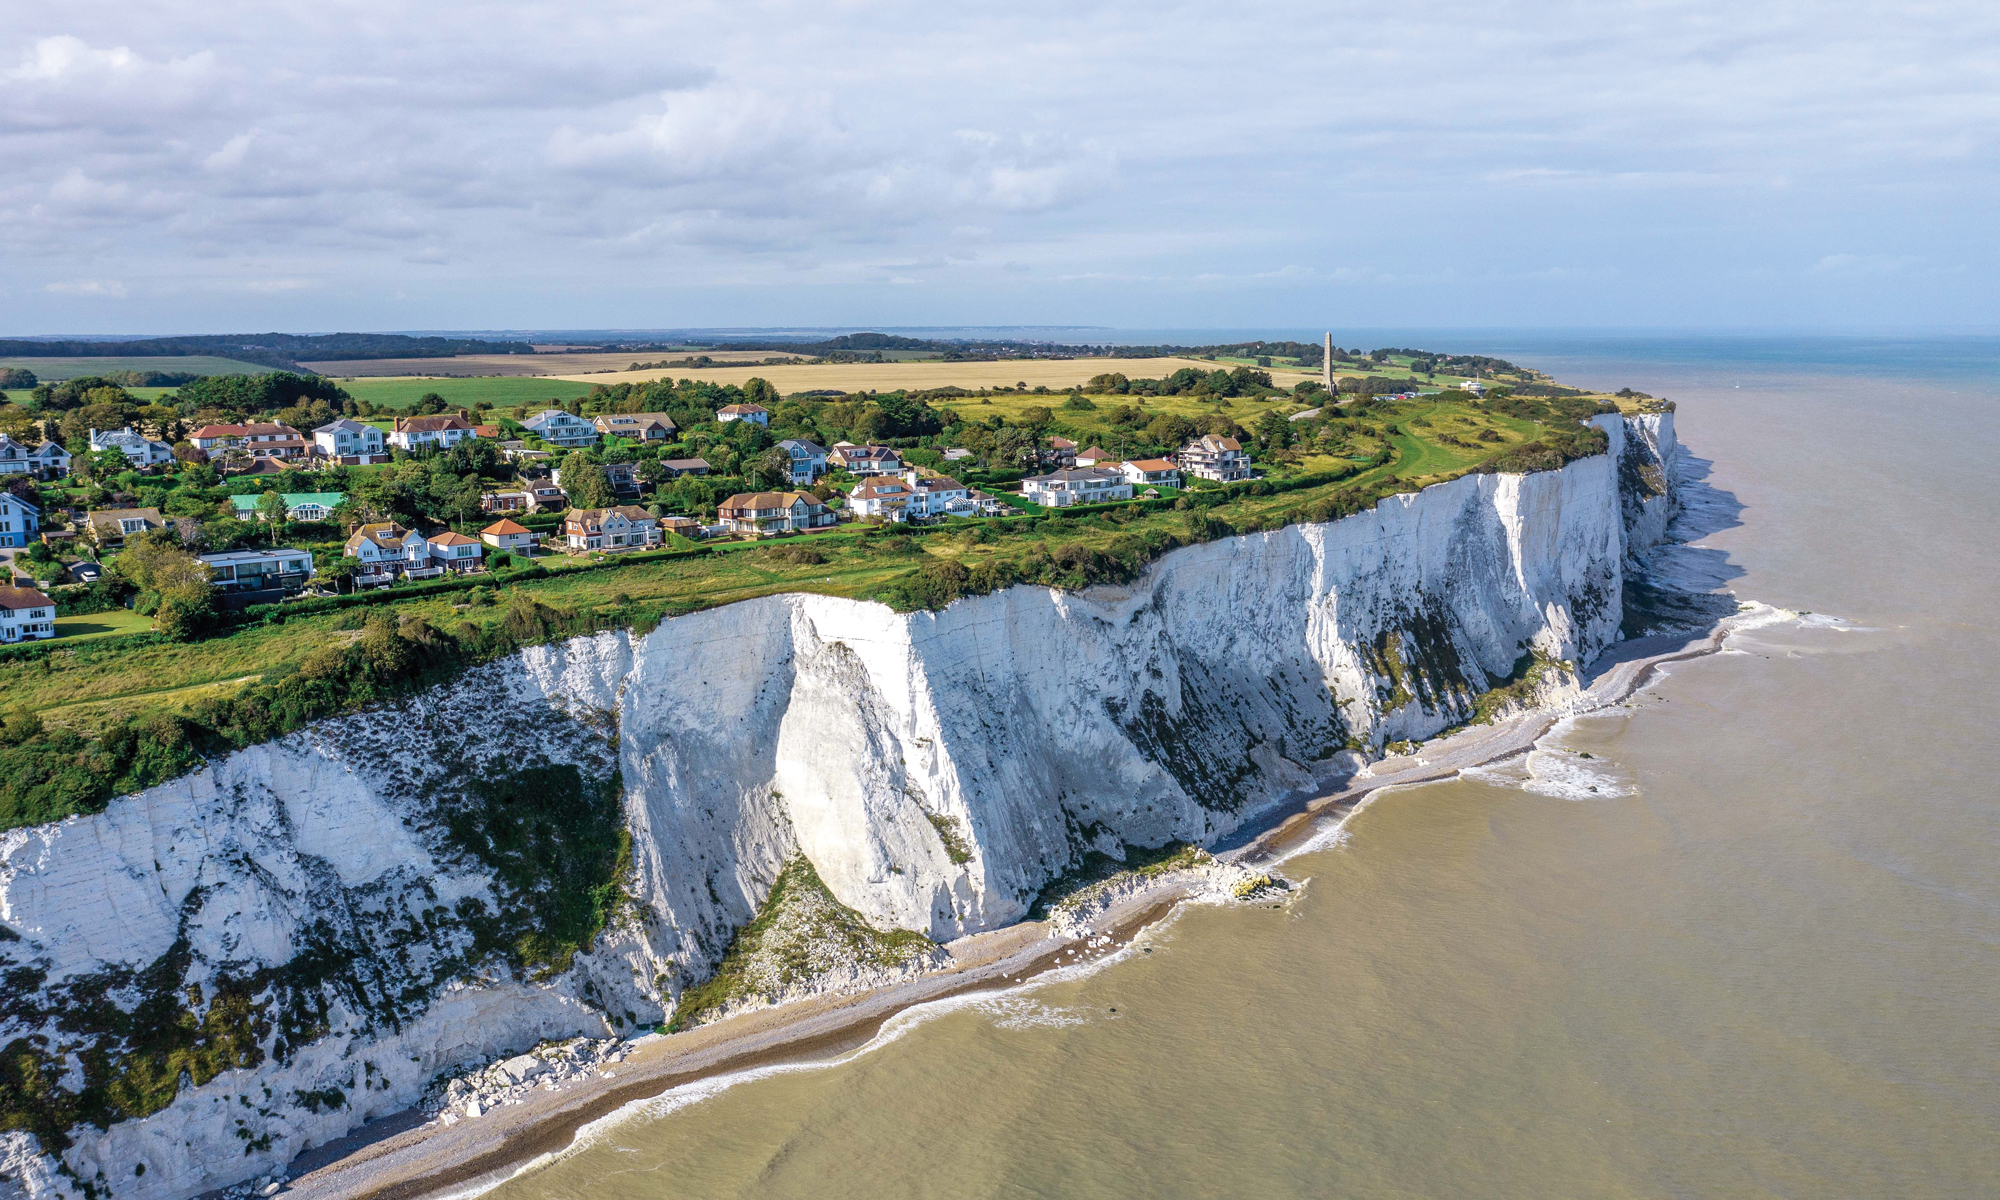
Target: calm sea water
{"points": [[1762, 960]]}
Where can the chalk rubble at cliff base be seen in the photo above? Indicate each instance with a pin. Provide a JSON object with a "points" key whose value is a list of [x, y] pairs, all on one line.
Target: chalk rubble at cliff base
{"points": [[938, 770]]}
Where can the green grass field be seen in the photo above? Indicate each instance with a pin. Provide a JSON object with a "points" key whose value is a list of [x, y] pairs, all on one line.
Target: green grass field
{"points": [[58, 369], [101, 625], [501, 392]]}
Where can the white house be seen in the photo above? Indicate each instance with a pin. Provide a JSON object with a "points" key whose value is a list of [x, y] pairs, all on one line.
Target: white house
{"points": [[626, 527], [17, 458], [1083, 485], [414, 433], [139, 451], [1213, 457], [25, 613], [808, 460], [1148, 472], [760, 513], [559, 428], [386, 550], [940, 495], [640, 427], [455, 552], [351, 443], [508, 535], [18, 520], [866, 460], [887, 497], [234, 571], [756, 414]]}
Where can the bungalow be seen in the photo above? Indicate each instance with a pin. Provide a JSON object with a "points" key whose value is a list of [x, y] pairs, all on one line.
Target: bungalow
{"points": [[350, 443], [640, 427], [756, 414], [1146, 472], [808, 460], [415, 433], [1094, 456], [299, 506], [19, 520], [250, 576], [626, 527], [1214, 457], [674, 468], [508, 535], [263, 438], [48, 460], [866, 460], [141, 452], [25, 613], [889, 498], [109, 527], [505, 502], [559, 428], [1084, 485], [759, 513]]}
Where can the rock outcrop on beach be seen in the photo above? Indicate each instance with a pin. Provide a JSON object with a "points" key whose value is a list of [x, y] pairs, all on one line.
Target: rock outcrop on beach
{"points": [[218, 973]]}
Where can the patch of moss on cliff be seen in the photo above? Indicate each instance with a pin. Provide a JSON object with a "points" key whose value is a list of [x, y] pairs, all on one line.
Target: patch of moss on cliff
{"points": [[1518, 688], [1097, 870], [801, 933], [559, 844]]}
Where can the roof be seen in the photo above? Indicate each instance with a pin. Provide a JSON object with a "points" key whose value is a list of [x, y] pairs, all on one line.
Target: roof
{"points": [[20, 597], [768, 500], [504, 527], [643, 418], [1209, 441], [884, 488], [100, 515], [346, 424], [226, 557], [1078, 475], [292, 500], [213, 431], [801, 444], [630, 512], [430, 424], [939, 483], [1061, 443], [486, 431], [450, 538], [869, 452], [1151, 464], [685, 464], [742, 409], [1094, 452]]}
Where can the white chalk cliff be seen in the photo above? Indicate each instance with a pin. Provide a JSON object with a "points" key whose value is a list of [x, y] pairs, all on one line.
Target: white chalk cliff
{"points": [[320, 877]]}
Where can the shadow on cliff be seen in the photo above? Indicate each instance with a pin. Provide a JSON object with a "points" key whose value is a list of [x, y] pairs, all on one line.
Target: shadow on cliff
{"points": [[1682, 590]]}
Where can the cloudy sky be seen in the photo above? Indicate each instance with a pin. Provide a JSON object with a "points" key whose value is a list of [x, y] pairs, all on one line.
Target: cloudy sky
{"points": [[359, 164]]}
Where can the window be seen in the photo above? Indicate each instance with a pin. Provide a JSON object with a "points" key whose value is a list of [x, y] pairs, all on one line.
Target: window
{"points": [[132, 525]]}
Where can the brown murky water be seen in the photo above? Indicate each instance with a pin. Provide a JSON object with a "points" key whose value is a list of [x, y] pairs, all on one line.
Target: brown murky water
{"points": [[1762, 960]]}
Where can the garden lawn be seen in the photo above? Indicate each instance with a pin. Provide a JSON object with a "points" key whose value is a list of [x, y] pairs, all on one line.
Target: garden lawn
{"points": [[115, 623]]}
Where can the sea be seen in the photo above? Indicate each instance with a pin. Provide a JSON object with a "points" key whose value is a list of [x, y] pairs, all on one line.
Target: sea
{"points": [[1748, 947]]}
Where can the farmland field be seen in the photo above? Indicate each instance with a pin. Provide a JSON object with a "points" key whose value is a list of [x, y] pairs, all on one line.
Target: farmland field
{"points": [[58, 369], [502, 392], [579, 363], [1061, 373]]}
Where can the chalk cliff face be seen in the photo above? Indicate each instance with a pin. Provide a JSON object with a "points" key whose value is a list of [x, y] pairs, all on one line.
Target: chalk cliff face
{"points": [[316, 912]]}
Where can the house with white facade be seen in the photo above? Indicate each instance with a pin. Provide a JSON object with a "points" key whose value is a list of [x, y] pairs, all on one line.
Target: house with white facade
{"points": [[387, 552], [559, 428], [142, 452], [808, 460], [25, 613], [455, 552], [508, 535], [279, 572], [48, 460], [1212, 456], [626, 527], [865, 460], [1151, 472], [759, 514], [415, 433], [756, 414], [351, 443], [266, 439], [640, 427], [299, 506], [18, 520], [887, 497], [1083, 485]]}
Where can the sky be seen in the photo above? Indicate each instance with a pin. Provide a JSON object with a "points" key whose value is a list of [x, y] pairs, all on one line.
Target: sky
{"points": [[356, 164]]}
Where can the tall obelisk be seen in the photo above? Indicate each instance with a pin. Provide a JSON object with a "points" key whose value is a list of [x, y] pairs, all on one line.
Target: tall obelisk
{"points": [[1326, 364]]}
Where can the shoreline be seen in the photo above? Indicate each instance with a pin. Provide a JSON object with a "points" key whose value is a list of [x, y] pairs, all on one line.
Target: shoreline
{"points": [[400, 1157]]}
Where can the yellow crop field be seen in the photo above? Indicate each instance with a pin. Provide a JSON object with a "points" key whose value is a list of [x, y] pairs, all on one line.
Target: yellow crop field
{"points": [[1052, 373], [515, 365]]}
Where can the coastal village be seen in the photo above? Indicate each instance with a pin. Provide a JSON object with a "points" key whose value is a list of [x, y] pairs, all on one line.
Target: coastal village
{"points": [[533, 515]]}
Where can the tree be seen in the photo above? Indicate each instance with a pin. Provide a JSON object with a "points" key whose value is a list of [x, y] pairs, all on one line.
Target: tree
{"points": [[156, 562], [584, 481], [771, 469], [760, 392], [271, 508]]}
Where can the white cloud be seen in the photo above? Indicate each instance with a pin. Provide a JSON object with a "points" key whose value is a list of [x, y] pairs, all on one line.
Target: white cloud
{"points": [[110, 288], [759, 153]]}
